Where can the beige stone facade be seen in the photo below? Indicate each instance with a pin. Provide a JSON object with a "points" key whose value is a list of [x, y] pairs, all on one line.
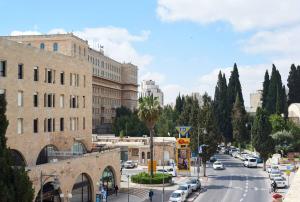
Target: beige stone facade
{"points": [[138, 148], [114, 83], [50, 115]]}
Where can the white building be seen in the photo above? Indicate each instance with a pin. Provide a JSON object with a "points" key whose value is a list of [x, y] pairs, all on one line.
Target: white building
{"points": [[148, 88], [255, 101], [294, 113], [197, 96]]}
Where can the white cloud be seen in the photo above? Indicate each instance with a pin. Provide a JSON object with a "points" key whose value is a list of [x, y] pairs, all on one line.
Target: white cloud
{"points": [[284, 41], [171, 91], [117, 42], [241, 14], [155, 76]]}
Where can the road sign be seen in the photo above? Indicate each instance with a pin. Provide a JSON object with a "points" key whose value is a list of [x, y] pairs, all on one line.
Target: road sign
{"points": [[183, 130], [288, 172], [154, 166]]}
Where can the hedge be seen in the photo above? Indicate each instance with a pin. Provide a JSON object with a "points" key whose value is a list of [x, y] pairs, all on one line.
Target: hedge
{"points": [[144, 178]]}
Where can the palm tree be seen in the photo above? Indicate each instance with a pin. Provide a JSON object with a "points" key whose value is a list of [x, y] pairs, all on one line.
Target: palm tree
{"points": [[149, 111]]}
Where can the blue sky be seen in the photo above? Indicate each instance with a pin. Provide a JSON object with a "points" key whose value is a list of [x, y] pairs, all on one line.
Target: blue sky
{"points": [[182, 44]]}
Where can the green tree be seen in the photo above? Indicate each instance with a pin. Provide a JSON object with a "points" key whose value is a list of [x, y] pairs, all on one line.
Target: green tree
{"points": [[283, 141], [266, 84], [210, 136], [239, 122], [166, 122], [149, 111], [14, 182], [221, 108], [179, 104], [292, 85], [184, 117], [277, 123], [261, 135]]}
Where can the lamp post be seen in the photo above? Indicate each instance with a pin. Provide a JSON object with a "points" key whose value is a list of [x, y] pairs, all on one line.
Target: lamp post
{"points": [[163, 189], [128, 185], [198, 156], [55, 184]]}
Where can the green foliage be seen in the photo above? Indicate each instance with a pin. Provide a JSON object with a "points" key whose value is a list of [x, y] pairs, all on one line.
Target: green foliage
{"points": [[239, 122], [14, 182], [266, 84], [277, 123], [129, 123], [261, 139], [179, 104], [166, 122], [145, 178], [294, 85], [283, 141]]}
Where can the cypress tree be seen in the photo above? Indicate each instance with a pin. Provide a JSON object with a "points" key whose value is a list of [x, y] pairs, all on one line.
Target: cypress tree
{"points": [[292, 85], [179, 104], [265, 89], [14, 182], [261, 135], [298, 84], [239, 122]]}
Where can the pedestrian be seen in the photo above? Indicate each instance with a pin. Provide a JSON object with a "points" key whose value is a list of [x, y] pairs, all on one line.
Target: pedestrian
{"points": [[150, 195], [116, 189]]}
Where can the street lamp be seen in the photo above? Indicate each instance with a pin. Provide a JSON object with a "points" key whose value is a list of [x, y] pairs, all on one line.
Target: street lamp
{"points": [[198, 156], [55, 183], [128, 185], [163, 191]]}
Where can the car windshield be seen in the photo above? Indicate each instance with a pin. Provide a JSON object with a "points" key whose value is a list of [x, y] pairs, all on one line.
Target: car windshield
{"points": [[170, 169], [218, 164], [182, 188], [278, 179], [252, 160], [175, 195]]}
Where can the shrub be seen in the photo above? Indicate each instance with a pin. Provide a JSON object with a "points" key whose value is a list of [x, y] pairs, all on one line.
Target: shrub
{"points": [[145, 178]]}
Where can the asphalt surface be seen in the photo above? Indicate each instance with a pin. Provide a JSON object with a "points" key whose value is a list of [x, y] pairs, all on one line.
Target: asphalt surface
{"points": [[236, 183]]}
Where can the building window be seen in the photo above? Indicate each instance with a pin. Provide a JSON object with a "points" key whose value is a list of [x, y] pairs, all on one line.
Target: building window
{"points": [[83, 123], [53, 122], [35, 125], [62, 101], [42, 46], [61, 124], [62, 78], [49, 100], [20, 126], [83, 100], [2, 68], [55, 47], [20, 71], [84, 80], [49, 125], [35, 99], [35, 74], [20, 98], [49, 76]]}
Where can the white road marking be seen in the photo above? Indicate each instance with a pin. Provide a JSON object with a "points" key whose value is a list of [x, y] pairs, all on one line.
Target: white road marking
{"points": [[227, 190], [241, 199], [255, 189], [244, 195]]}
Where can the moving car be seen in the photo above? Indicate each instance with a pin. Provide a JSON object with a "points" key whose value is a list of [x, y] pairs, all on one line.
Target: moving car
{"points": [[275, 175], [194, 183], [250, 162], [129, 164], [281, 183], [177, 196], [212, 159], [186, 189], [272, 167], [218, 165], [172, 171]]}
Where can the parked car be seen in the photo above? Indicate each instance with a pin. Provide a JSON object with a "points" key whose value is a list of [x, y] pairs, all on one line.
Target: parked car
{"points": [[194, 183], [258, 159], [250, 162], [243, 155], [129, 164], [162, 171], [275, 175], [212, 159], [272, 167], [177, 196], [218, 166], [280, 181], [172, 171], [186, 189]]}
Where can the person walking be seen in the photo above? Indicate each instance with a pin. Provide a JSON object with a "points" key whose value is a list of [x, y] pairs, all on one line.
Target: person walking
{"points": [[150, 195], [116, 190]]}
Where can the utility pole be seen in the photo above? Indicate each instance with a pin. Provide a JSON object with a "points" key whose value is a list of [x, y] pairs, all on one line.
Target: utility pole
{"points": [[163, 191], [198, 157], [128, 186]]}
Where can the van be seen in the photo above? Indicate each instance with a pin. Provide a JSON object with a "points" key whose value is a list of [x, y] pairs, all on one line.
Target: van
{"points": [[250, 162]]}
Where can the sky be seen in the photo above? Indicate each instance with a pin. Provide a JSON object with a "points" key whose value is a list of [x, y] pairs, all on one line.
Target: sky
{"points": [[181, 44]]}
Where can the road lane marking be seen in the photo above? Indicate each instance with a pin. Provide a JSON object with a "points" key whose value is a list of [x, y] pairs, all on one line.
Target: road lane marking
{"points": [[227, 190]]}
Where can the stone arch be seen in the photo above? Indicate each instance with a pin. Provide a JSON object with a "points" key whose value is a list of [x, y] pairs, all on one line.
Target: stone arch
{"points": [[78, 147], [17, 158], [82, 190], [49, 193], [108, 179], [43, 156]]}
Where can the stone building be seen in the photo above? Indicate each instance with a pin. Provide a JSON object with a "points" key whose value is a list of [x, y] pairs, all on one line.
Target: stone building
{"points": [[255, 101], [148, 87], [294, 113], [114, 84], [138, 149], [50, 121]]}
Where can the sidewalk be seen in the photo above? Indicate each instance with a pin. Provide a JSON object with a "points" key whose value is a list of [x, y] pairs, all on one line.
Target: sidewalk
{"points": [[123, 197]]}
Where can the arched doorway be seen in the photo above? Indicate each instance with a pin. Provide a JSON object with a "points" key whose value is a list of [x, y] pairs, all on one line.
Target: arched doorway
{"points": [[78, 148], [45, 153], [108, 180], [49, 194], [143, 157], [17, 158], [82, 189]]}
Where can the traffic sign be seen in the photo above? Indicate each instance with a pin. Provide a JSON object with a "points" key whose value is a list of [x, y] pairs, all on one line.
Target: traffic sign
{"points": [[183, 130]]}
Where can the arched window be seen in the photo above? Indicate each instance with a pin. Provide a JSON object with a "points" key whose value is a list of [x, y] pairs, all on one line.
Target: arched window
{"points": [[108, 180], [78, 148], [82, 191], [42, 46], [55, 47], [17, 158], [49, 193], [45, 154]]}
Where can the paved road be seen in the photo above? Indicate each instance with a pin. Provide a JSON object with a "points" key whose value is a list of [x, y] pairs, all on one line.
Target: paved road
{"points": [[236, 183]]}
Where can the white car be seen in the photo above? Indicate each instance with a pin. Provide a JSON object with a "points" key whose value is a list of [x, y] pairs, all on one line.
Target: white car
{"points": [[194, 183], [186, 189], [172, 171], [250, 162], [272, 167], [177, 196], [275, 175], [129, 164], [218, 166], [162, 171], [280, 181]]}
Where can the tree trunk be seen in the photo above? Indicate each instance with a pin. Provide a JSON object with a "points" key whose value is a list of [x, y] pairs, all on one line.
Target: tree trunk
{"points": [[151, 152], [204, 169], [264, 167]]}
